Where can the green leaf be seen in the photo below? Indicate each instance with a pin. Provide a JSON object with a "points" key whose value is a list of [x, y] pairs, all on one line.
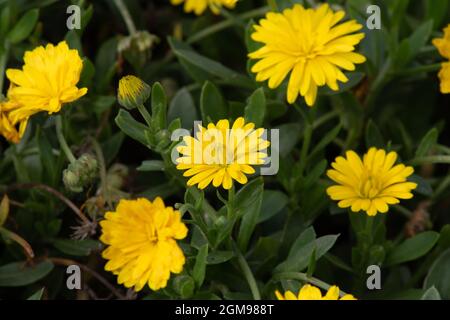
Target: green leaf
{"points": [[18, 274], [182, 106], [431, 294], [248, 206], [439, 275], [436, 10], [184, 286], [208, 66], [200, 266], [24, 26], [159, 107], [273, 202], [37, 295], [151, 165], [300, 254], [423, 187], [48, 160], [289, 136], [218, 257], [256, 108], [412, 248], [373, 136], [77, 247], [212, 104], [131, 127], [317, 171], [427, 143]]}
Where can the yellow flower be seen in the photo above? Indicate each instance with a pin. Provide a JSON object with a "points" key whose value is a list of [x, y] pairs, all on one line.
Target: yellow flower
{"points": [[370, 184], [220, 155], [142, 248], [199, 6], [310, 45], [443, 45], [309, 292], [444, 76], [47, 80], [8, 128], [132, 92]]}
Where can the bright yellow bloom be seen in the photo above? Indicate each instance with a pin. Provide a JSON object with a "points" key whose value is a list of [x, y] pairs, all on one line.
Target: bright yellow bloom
{"points": [[220, 154], [370, 184], [47, 80], [132, 92], [309, 292], [443, 45], [310, 45], [199, 6], [142, 248], [444, 76], [12, 131]]}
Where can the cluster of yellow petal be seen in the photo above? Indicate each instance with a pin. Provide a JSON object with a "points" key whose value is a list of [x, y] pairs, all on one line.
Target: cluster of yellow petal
{"points": [[142, 243], [47, 80], [199, 6], [12, 131], [309, 292], [311, 45], [443, 45], [220, 154], [370, 184]]}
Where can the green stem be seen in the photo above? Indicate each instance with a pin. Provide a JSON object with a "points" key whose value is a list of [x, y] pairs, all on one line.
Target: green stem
{"points": [[230, 204], [147, 117], [426, 68], [248, 274], [62, 140], [103, 173], [305, 147], [3, 61], [369, 227], [126, 16], [226, 24], [304, 277]]}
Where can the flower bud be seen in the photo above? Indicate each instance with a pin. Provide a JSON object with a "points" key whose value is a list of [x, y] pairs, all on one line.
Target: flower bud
{"points": [[80, 173], [132, 92]]}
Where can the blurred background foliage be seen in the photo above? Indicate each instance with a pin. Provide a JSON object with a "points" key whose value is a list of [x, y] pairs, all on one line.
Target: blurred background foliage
{"points": [[290, 230]]}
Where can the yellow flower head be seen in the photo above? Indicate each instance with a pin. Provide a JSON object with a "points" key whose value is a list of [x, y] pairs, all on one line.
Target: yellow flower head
{"points": [[132, 92], [443, 44], [309, 292], [220, 154], [310, 45], [8, 128], [142, 243], [47, 80], [370, 184], [199, 6], [444, 76]]}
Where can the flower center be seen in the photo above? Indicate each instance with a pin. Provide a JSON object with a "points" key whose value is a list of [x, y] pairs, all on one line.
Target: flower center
{"points": [[370, 185]]}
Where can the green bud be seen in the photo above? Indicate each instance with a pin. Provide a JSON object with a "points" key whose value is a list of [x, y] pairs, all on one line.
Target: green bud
{"points": [[132, 92], [80, 173]]}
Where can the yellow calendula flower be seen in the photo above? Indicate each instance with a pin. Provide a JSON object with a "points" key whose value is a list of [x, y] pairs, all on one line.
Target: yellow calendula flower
{"points": [[199, 6], [12, 131], [309, 292], [444, 76], [370, 184], [141, 237], [220, 154], [443, 45], [132, 92], [311, 45], [47, 80]]}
